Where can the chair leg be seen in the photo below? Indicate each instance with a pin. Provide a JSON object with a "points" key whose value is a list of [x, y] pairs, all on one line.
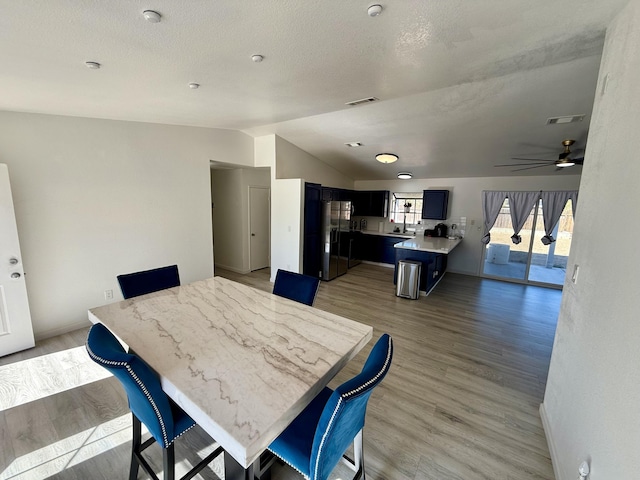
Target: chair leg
{"points": [[169, 463], [358, 453], [135, 447]]}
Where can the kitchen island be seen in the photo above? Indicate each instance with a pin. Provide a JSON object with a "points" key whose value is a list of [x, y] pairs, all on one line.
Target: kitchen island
{"points": [[432, 252]]}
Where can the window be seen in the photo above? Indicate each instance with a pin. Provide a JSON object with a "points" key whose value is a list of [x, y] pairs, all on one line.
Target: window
{"points": [[407, 204]]}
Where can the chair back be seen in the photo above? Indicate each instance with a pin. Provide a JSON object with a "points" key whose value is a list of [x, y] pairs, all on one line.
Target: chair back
{"points": [[344, 413], [295, 286], [141, 283], [146, 398]]}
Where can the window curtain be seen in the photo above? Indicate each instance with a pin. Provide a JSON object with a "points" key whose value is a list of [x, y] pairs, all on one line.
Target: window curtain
{"points": [[491, 205], [552, 205], [520, 205], [574, 202]]}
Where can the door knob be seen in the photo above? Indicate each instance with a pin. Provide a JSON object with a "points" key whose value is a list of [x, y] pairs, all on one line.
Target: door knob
{"points": [[253, 234], [13, 261], [15, 275]]}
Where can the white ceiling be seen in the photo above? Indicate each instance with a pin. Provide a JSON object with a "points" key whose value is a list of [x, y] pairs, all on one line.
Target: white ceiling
{"points": [[463, 85]]}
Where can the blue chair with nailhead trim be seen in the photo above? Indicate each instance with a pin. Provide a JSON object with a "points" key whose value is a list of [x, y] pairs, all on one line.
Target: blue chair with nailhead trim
{"points": [[148, 403], [316, 440], [148, 281], [295, 286]]}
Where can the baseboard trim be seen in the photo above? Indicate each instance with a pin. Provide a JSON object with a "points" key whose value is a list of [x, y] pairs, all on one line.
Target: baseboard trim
{"points": [[54, 332], [546, 426], [231, 269]]}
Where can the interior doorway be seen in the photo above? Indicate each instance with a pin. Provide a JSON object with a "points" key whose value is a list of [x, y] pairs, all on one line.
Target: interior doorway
{"points": [[530, 261], [259, 228], [16, 332]]}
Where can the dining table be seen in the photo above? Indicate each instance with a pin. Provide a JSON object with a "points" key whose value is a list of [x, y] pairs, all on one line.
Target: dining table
{"points": [[242, 362]]}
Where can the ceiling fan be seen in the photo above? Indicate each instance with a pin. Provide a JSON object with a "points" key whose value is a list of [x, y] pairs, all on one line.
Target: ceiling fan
{"points": [[565, 159]]}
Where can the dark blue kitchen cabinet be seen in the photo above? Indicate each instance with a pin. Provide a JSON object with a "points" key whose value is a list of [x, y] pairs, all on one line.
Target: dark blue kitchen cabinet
{"points": [[435, 204], [312, 247], [374, 203], [379, 249], [388, 249], [433, 266]]}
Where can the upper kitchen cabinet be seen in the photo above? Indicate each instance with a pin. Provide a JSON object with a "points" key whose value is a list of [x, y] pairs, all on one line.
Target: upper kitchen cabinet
{"points": [[330, 194], [371, 203], [435, 204]]}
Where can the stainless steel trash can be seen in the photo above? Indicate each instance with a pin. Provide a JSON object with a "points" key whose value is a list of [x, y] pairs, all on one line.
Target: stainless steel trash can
{"points": [[408, 281]]}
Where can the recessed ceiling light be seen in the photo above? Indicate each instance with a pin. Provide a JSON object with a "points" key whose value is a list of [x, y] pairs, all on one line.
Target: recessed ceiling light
{"points": [[152, 16], [353, 144], [374, 10], [405, 175], [257, 58], [194, 86], [93, 65], [386, 157]]}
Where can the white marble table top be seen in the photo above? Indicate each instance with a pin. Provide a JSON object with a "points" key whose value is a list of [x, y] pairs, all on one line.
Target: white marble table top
{"points": [[242, 362], [429, 244]]}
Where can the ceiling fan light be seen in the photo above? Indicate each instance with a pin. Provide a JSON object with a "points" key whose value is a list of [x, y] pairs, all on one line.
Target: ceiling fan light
{"points": [[565, 163], [386, 157]]}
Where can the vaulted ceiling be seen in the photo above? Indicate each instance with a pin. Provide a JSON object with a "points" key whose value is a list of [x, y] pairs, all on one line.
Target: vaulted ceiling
{"points": [[462, 85]]}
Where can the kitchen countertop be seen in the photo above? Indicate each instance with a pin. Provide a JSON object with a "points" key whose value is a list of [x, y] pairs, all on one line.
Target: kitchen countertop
{"points": [[429, 244], [387, 234]]}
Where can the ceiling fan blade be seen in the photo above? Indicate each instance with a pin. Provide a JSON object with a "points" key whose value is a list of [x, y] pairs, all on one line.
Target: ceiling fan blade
{"points": [[529, 168], [542, 164], [578, 161], [533, 159]]}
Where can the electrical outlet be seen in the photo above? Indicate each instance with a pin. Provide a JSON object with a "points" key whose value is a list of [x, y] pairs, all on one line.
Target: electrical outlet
{"points": [[108, 294]]}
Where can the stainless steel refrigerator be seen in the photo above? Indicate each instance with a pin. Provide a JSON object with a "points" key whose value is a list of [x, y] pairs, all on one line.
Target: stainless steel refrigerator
{"points": [[336, 217]]}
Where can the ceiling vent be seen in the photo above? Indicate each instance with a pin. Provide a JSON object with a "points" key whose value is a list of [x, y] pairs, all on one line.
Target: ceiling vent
{"points": [[361, 101], [565, 119]]}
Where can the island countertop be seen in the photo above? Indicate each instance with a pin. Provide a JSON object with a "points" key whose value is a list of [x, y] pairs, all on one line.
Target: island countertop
{"points": [[429, 244]]}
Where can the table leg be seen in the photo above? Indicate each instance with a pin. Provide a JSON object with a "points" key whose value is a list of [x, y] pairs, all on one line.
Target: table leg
{"points": [[234, 471]]}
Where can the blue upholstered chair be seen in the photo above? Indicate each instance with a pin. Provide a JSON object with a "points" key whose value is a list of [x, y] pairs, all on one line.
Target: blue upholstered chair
{"points": [[147, 401], [141, 283], [294, 286], [316, 440]]}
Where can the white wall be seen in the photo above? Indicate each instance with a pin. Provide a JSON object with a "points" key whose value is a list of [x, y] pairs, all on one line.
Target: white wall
{"points": [[465, 200], [293, 162], [290, 168], [592, 401], [95, 198], [230, 193], [286, 225]]}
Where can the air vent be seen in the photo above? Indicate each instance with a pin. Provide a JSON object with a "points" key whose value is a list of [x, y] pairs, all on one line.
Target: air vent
{"points": [[565, 119], [361, 101], [353, 144]]}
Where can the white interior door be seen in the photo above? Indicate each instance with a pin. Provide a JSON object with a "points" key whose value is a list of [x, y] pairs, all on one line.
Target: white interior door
{"points": [[259, 243], [16, 332]]}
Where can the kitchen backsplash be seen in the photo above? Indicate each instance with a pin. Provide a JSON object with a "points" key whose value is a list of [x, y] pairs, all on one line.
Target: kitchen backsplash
{"points": [[375, 223]]}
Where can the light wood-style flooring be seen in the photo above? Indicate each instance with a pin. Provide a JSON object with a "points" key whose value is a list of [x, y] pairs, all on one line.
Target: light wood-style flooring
{"points": [[460, 401]]}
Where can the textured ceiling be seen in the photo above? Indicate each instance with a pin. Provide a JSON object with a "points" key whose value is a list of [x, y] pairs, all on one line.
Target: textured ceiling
{"points": [[463, 85]]}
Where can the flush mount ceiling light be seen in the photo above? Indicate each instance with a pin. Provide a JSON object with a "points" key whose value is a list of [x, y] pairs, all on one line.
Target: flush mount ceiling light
{"points": [[405, 176], [93, 65], [353, 144], [194, 86], [152, 16], [374, 10], [257, 58], [386, 157]]}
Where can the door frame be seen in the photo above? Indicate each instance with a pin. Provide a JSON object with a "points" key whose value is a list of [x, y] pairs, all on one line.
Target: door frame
{"points": [[525, 280], [249, 222]]}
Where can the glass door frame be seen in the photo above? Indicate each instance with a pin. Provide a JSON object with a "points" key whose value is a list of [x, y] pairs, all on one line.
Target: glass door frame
{"points": [[525, 280]]}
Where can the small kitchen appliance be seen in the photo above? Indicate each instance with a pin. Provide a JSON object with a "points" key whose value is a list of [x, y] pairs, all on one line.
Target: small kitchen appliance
{"points": [[440, 230]]}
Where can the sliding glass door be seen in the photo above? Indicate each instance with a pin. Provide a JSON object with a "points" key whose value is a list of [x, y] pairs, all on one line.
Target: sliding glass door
{"points": [[530, 261]]}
